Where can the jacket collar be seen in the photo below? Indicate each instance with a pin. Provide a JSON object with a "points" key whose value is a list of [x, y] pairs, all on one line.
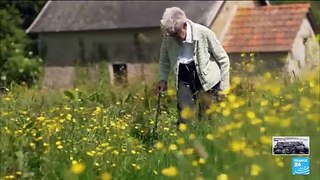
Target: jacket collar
{"points": [[189, 35], [195, 32]]}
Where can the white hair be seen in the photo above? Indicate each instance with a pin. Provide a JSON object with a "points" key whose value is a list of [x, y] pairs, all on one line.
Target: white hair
{"points": [[173, 19]]}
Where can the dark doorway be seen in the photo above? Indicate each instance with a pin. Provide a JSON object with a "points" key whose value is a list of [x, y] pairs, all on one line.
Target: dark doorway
{"points": [[120, 73]]}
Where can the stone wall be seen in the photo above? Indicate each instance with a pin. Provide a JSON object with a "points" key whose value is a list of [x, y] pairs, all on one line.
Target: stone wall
{"points": [[59, 77]]}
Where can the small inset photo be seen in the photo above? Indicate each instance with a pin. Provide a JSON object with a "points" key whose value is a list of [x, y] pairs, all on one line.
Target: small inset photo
{"points": [[290, 145]]}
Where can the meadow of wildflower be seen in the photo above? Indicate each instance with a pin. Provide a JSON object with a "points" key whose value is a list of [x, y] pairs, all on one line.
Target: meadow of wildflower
{"points": [[103, 132]]}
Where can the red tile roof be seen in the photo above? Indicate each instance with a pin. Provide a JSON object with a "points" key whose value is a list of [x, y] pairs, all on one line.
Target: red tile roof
{"points": [[265, 29]]}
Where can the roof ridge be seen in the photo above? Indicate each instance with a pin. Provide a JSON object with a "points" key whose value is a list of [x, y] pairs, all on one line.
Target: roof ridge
{"points": [[38, 16], [302, 5], [116, 14]]}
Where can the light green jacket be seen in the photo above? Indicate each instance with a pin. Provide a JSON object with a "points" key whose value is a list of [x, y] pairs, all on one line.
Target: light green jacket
{"points": [[212, 62]]}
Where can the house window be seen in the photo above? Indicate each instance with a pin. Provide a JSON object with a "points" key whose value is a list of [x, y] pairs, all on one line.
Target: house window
{"points": [[120, 73]]}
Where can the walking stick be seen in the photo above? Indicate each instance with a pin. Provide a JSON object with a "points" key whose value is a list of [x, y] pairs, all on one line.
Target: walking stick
{"points": [[156, 116]]}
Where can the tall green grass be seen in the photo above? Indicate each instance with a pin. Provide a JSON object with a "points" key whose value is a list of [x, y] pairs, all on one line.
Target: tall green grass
{"points": [[96, 130]]}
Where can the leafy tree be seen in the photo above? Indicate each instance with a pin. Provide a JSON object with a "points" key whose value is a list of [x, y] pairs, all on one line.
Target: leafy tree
{"points": [[28, 10], [16, 64]]}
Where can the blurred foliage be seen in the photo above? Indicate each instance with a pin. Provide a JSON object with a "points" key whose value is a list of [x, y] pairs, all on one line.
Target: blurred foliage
{"points": [[28, 11], [17, 63]]}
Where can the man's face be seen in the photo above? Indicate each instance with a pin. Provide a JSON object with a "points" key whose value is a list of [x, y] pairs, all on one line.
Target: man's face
{"points": [[180, 34]]}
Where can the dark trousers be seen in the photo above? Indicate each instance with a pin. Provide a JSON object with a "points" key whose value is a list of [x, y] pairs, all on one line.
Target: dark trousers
{"points": [[190, 92]]}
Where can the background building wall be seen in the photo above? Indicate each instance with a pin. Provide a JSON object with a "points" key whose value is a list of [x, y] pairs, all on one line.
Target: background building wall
{"points": [[305, 50], [139, 49]]}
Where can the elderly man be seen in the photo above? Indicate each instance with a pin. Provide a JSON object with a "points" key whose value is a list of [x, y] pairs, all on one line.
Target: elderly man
{"points": [[199, 61]]}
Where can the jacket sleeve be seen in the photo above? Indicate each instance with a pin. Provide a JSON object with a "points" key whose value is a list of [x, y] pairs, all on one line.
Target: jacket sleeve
{"points": [[220, 55], [164, 61]]}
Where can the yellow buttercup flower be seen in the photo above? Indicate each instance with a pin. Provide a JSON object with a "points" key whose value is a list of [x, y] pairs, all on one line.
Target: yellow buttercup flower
{"points": [[232, 98], [180, 141], [223, 104], [264, 103], [315, 90], [209, 137], [226, 112], [267, 75], [159, 145], [173, 147], [235, 105], [251, 115], [250, 67], [170, 171], [276, 104], [187, 113], [202, 161], [195, 163], [289, 96], [105, 176], [313, 117], [211, 109], [58, 143], [115, 152], [248, 152], [69, 117], [183, 127], [77, 168], [192, 136], [285, 122], [286, 107], [41, 118], [256, 121], [171, 92], [237, 146], [255, 170], [236, 80], [33, 145], [188, 151], [222, 177], [199, 178], [279, 162], [225, 91], [274, 88], [305, 103], [265, 140]]}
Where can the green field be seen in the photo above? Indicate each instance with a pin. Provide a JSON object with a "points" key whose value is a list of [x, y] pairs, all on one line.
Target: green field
{"points": [[103, 132]]}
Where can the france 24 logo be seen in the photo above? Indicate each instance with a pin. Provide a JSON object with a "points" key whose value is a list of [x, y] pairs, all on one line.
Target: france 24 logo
{"points": [[300, 166]]}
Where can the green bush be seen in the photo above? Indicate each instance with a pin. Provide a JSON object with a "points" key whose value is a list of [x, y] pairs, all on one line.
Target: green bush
{"points": [[21, 69], [16, 64]]}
